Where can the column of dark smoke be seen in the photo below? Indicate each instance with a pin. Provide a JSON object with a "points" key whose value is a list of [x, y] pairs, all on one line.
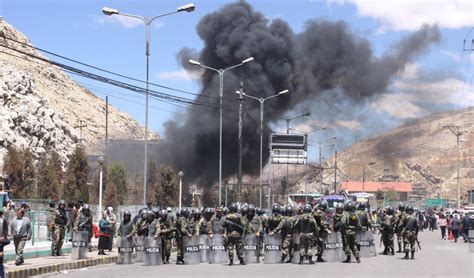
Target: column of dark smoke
{"points": [[325, 57]]}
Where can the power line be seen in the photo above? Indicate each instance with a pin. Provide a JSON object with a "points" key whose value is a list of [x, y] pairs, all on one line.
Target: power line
{"points": [[116, 83], [105, 70]]}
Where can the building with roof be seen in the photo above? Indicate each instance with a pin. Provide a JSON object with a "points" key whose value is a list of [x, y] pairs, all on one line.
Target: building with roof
{"points": [[402, 189]]}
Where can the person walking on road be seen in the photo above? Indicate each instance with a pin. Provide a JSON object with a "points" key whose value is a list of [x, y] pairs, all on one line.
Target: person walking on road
{"points": [[20, 231], [59, 229], [465, 225], [442, 223], [456, 225]]}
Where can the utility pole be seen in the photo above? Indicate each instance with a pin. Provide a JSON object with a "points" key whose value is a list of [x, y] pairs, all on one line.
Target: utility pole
{"points": [[106, 125], [335, 172], [241, 104], [455, 130], [321, 165], [80, 126]]}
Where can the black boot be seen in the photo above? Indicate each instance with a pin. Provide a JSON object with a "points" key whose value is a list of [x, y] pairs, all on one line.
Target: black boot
{"points": [[258, 259], [406, 256], [301, 260], [393, 252], [358, 260], [412, 255], [289, 260], [310, 259], [242, 261], [282, 259], [231, 261], [348, 259], [399, 248], [320, 259], [385, 252], [53, 253], [167, 259]]}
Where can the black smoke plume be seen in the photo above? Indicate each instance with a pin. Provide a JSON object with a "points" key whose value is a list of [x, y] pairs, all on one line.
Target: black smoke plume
{"points": [[325, 62]]}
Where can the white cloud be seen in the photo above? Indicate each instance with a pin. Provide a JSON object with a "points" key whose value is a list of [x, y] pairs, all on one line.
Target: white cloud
{"points": [[411, 14], [399, 106], [178, 75], [454, 56]]}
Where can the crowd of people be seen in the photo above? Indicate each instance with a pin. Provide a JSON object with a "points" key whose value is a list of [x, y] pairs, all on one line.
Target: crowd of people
{"points": [[311, 224]]}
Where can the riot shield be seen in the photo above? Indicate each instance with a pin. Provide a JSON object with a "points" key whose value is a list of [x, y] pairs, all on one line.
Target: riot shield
{"points": [[152, 251], [296, 248], [140, 249], [333, 251], [367, 244], [80, 241], [272, 249], [217, 253], [250, 246], [125, 250], [204, 248], [191, 250]]}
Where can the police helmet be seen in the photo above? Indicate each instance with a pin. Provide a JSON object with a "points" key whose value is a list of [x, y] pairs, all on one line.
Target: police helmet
{"points": [[244, 210], [251, 208], [289, 210], [339, 206], [323, 205], [184, 212], [62, 204], [361, 206], [409, 209], [233, 208], [351, 206], [259, 211], [401, 207], [125, 213], [276, 208], [209, 211], [163, 214], [225, 211], [307, 208]]}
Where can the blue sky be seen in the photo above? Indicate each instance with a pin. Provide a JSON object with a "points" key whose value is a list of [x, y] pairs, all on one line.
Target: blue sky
{"points": [[79, 30]]}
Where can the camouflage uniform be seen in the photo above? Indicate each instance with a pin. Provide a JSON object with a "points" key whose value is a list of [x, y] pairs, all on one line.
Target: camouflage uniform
{"points": [[59, 231], [387, 230], [338, 227], [234, 229], [285, 227], [399, 219], [321, 221], [183, 230], [410, 233], [167, 233], [351, 225], [306, 226]]}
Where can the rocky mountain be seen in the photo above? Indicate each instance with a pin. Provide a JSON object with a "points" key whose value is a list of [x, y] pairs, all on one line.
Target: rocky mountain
{"points": [[423, 151], [42, 107]]}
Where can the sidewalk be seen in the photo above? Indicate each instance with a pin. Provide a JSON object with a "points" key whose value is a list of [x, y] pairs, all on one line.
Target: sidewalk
{"points": [[40, 249], [43, 265]]}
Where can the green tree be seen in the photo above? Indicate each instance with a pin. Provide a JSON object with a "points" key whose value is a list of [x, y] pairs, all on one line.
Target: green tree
{"points": [[166, 191], [390, 195], [118, 176], [19, 166], [49, 176], [94, 192], [110, 195], [75, 184], [13, 168], [152, 182]]}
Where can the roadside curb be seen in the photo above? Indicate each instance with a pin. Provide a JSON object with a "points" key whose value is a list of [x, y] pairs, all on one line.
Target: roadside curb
{"points": [[60, 267]]}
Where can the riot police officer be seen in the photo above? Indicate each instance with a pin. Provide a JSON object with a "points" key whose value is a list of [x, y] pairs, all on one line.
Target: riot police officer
{"points": [[285, 228], [253, 225], [182, 230], [321, 220], [217, 221], [203, 226], [351, 225], [273, 221], [388, 230], [410, 229], [399, 219], [234, 230], [306, 226], [167, 231], [84, 223], [126, 229], [59, 229]]}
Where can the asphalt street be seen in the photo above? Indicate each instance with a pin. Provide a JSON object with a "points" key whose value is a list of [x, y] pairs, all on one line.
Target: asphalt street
{"points": [[439, 258]]}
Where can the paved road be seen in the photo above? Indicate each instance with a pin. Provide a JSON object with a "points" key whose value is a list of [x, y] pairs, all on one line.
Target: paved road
{"points": [[438, 258]]}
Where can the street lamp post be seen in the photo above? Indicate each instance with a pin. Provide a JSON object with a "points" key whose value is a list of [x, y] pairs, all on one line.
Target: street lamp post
{"points": [[262, 102], [221, 94], [320, 144], [180, 174], [101, 163], [148, 21]]}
